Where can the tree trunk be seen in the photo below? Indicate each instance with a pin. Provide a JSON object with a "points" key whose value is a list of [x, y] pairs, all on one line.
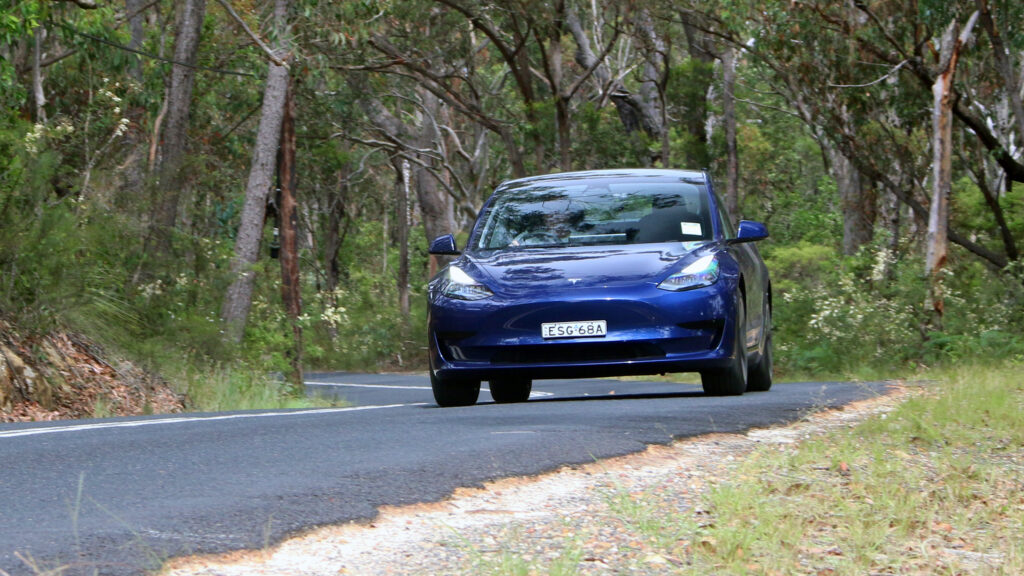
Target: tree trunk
{"points": [[436, 205], [238, 299], [695, 119], [732, 160], [38, 94], [942, 151], [562, 123], [133, 184], [1004, 64], [175, 130], [336, 216], [653, 83], [553, 66], [135, 8], [402, 175], [857, 203], [289, 218]]}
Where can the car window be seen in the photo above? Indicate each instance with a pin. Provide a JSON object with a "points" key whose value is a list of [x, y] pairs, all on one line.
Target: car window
{"points": [[595, 213], [728, 230]]}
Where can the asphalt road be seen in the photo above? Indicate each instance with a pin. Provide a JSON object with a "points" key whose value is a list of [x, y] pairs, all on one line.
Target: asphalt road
{"points": [[118, 496]]}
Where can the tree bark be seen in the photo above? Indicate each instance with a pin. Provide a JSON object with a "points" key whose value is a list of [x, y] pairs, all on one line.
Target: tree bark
{"points": [[175, 130], [653, 83], [337, 228], [942, 165], [436, 205], [289, 223], [238, 299], [553, 66], [636, 112], [857, 203], [1003, 63], [695, 120], [134, 9], [38, 94], [403, 173], [732, 159]]}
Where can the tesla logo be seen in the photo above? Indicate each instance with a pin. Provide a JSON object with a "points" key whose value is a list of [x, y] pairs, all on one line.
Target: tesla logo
{"points": [[573, 281]]}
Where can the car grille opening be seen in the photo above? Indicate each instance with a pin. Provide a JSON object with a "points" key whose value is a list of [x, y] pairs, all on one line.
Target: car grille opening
{"points": [[716, 327], [452, 337], [588, 352]]}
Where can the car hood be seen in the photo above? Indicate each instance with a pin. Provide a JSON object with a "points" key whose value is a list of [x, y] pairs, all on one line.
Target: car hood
{"points": [[534, 270]]}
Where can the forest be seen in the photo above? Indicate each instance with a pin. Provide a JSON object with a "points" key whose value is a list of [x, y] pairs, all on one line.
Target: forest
{"points": [[229, 189]]}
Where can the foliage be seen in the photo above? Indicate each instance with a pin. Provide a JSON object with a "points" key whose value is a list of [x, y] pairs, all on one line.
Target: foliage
{"points": [[864, 316]]}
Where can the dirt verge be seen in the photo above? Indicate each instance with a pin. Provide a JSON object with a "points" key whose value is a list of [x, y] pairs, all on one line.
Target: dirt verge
{"points": [[62, 376]]}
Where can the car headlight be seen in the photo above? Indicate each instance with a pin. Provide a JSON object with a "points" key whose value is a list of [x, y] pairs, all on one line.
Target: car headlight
{"points": [[462, 286], [703, 272]]}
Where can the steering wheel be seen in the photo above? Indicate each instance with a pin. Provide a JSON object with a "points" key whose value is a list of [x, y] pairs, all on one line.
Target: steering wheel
{"points": [[535, 238]]}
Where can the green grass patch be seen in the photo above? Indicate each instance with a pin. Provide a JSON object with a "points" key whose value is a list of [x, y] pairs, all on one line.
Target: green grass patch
{"points": [[934, 487], [215, 387]]}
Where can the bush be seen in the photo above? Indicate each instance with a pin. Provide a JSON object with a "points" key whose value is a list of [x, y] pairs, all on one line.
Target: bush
{"points": [[865, 315]]}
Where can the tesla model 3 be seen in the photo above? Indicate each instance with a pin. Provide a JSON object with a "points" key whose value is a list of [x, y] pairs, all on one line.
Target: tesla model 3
{"points": [[600, 273]]}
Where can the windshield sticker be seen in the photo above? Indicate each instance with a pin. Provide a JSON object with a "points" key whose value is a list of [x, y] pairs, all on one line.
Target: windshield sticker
{"points": [[691, 228]]}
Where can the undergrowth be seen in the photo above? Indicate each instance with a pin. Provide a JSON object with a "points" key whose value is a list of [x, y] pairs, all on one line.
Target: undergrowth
{"points": [[933, 487]]}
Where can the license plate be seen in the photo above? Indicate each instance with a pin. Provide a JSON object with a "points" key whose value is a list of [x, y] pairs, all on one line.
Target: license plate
{"points": [[582, 329]]}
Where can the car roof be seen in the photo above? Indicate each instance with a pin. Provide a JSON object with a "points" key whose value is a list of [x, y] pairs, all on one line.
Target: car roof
{"points": [[691, 176]]}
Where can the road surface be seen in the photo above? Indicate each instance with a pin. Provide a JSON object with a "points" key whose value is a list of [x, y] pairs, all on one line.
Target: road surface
{"points": [[119, 496]]}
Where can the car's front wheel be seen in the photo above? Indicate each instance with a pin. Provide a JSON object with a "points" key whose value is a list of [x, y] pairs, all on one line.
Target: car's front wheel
{"points": [[732, 379], [454, 392], [509, 390]]}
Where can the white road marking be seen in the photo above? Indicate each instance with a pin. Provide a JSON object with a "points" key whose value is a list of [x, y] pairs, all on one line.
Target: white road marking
{"points": [[188, 419], [534, 394], [351, 385]]}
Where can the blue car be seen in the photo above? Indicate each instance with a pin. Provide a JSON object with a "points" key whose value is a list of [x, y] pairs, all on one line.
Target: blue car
{"points": [[600, 273]]}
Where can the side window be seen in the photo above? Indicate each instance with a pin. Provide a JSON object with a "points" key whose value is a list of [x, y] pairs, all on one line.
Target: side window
{"points": [[727, 228]]}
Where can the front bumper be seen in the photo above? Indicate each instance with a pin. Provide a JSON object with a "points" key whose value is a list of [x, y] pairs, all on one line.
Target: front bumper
{"points": [[650, 331]]}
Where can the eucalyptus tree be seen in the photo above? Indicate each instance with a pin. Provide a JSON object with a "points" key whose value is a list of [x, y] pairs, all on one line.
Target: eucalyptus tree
{"points": [[170, 173], [873, 94], [238, 299], [429, 110], [951, 47]]}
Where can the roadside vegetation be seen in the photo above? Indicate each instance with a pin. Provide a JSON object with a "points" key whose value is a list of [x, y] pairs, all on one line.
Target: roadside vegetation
{"points": [[932, 487], [126, 190]]}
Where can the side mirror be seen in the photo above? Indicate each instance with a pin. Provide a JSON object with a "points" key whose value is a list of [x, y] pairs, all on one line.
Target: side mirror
{"points": [[444, 246], [750, 231]]}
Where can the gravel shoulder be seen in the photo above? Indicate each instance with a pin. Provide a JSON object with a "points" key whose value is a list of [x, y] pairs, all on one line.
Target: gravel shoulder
{"points": [[527, 520]]}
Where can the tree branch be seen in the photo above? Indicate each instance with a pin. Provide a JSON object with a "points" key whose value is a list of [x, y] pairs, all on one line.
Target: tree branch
{"points": [[259, 42], [84, 4]]}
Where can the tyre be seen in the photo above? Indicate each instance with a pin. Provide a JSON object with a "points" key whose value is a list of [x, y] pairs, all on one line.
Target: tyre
{"points": [[454, 392], [760, 377], [510, 390], [731, 380]]}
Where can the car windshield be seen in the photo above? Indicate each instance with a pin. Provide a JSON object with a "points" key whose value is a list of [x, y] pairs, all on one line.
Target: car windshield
{"points": [[588, 212]]}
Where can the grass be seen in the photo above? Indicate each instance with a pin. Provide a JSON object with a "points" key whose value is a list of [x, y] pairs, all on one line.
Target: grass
{"points": [[934, 487], [213, 387]]}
